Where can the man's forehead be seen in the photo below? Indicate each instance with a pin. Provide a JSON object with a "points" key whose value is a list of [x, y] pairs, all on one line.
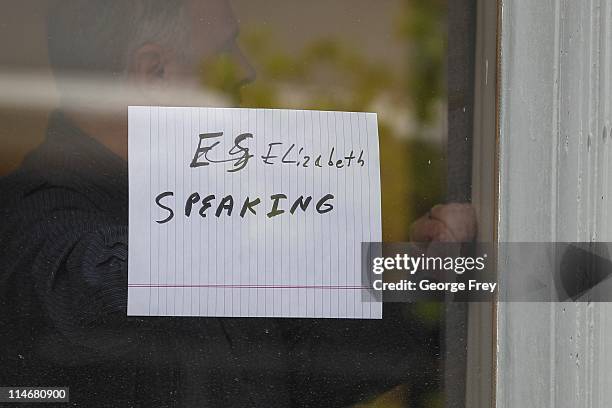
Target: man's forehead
{"points": [[212, 11], [212, 19]]}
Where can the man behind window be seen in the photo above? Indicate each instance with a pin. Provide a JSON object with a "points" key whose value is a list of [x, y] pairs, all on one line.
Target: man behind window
{"points": [[63, 243]]}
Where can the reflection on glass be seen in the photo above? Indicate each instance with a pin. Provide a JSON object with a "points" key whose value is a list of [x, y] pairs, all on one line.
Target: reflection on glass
{"points": [[349, 55]]}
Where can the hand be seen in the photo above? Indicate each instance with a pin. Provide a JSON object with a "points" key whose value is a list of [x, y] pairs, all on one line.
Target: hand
{"points": [[453, 222]]}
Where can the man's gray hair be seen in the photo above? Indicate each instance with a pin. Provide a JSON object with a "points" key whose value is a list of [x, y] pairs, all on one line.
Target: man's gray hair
{"points": [[101, 35]]}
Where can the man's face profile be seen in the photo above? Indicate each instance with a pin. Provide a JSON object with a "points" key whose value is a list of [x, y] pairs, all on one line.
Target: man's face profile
{"points": [[209, 32], [108, 55]]}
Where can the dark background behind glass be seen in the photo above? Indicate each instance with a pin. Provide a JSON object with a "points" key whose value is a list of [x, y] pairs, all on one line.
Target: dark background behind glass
{"points": [[358, 55]]}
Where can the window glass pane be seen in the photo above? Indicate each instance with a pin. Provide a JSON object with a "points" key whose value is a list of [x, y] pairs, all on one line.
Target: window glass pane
{"points": [[70, 68]]}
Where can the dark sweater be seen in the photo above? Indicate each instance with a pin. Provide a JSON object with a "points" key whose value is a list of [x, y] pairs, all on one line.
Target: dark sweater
{"points": [[63, 288]]}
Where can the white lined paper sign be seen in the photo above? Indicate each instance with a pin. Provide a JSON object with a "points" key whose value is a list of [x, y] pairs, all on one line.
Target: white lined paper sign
{"points": [[251, 212]]}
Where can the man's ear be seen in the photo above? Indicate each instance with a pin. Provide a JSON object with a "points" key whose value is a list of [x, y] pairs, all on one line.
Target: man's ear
{"points": [[147, 64]]}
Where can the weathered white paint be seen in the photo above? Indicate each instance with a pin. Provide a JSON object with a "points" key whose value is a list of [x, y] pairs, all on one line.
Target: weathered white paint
{"points": [[554, 185]]}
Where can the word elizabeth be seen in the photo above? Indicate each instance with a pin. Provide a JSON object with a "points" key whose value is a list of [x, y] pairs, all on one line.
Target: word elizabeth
{"points": [[277, 154], [226, 205]]}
